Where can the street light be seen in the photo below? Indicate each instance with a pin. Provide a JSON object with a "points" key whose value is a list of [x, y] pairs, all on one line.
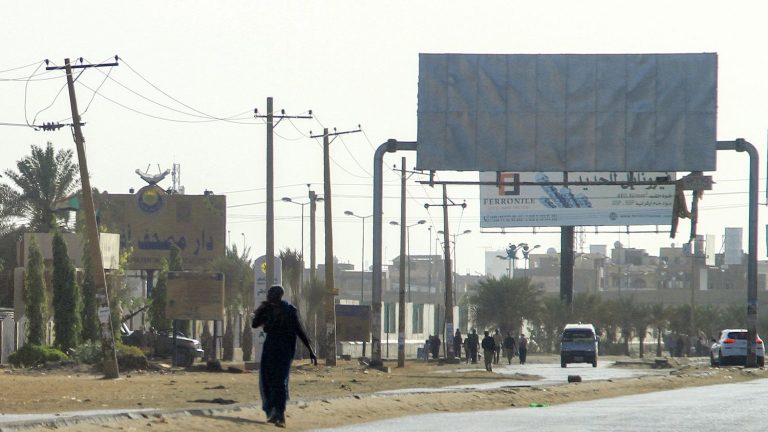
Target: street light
{"points": [[526, 251], [408, 243], [455, 255], [362, 253], [301, 275], [512, 250]]}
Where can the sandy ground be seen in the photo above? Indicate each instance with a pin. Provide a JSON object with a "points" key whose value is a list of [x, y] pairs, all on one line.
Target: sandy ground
{"points": [[321, 397]]}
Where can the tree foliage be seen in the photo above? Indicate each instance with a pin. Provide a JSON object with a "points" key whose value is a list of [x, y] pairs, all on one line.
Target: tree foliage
{"points": [[67, 305], [90, 315], [158, 299], [43, 177], [504, 303], [34, 296]]}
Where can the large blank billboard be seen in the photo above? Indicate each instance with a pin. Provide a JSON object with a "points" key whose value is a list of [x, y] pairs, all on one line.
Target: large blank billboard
{"points": [[567, 112]]}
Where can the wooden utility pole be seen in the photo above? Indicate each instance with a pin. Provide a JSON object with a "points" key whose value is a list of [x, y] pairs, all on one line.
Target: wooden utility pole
{"points": [[448, 281], [448, 329], [401, 311], [331, 291], [270, 234], [94, 249]]}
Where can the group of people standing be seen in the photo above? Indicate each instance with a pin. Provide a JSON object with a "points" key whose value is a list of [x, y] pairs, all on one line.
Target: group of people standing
{"points": [[492, 347]]}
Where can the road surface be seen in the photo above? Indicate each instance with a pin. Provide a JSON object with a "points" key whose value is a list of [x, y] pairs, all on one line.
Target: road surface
{"points": [[737, 407]]}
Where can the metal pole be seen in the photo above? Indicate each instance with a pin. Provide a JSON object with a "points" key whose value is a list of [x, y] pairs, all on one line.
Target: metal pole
{"points": [[741, 145], [301, 275], [566, 265], [312, 210], [92, 230], [378, 186]]}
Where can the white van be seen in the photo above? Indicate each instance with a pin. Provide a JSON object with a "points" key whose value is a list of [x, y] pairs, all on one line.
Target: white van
{"points": [[578, 344]]}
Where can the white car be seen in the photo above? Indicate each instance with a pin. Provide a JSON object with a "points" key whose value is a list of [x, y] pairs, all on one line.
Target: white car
{"points": [[731, 349]]}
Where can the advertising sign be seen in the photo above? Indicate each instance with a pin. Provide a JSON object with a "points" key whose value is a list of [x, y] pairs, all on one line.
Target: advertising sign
{"points": [[150, 221], [567, 112], [195, 296], [521, 202], [353, 323]]}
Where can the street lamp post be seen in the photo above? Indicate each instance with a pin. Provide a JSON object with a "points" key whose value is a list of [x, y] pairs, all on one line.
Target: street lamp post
{"points": [[301, 275], [362, 253], [455, 255], [512, 250], [526, 251], [408, 243]]}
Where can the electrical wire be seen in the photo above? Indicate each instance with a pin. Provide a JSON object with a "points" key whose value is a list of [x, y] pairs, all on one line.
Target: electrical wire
{"points": [[205, 115], [26, 88], [235, 118]]}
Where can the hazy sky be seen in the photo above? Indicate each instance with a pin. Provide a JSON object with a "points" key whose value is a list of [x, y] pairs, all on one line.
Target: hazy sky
{"points": [[186, 64]]}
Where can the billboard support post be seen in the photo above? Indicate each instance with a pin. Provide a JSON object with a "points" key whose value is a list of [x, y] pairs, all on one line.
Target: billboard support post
{"points": [[741, 145]]}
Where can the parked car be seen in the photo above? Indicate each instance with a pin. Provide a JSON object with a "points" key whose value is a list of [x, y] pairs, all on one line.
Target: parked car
{"points": [[731, 349], [578, 344], [160, 344]]}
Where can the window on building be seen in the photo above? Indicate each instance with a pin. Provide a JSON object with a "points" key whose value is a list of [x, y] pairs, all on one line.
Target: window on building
{"points": [[390, 323], [418, 318]]}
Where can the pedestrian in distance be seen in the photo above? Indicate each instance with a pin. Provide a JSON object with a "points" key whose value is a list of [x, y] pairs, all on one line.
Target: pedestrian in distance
{"points": [[474, 345], [497, 340], [489, 347], [457, 344], [435, 346], [509, 347], [282, 325], [522, 348], [466, 349]]}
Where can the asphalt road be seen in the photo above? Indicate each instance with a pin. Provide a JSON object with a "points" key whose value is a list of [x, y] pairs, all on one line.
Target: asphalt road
{"points": [[551, 373], [733, 407]]}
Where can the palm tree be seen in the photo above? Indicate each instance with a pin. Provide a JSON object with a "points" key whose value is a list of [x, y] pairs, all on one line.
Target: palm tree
{"points": [[293, 266], [659, 317], [43, 177]]}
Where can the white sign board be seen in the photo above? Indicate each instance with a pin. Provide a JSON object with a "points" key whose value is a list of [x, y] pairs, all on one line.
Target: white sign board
{"points": [[260, 295], [518, 205]]}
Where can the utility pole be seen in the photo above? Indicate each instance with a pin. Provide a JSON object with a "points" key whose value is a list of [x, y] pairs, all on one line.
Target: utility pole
{"points": [[450, 355], [313, 199], [401, 312], [331, 291], [94, 248], [270, 116]]}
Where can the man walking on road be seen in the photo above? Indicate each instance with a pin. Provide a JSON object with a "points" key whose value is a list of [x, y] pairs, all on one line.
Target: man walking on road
{"points": [[457, 344], [509, 347], [489, 347], [282, 325], [522, 347], [473, 342], [497, 340]]}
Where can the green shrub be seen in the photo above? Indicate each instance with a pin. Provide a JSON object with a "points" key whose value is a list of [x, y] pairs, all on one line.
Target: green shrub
{"points": [[89, 353], [33, 355], [130, 357]]}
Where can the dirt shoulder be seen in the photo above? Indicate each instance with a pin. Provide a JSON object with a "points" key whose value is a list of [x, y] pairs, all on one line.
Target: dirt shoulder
{"points": [[322, 397]]}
